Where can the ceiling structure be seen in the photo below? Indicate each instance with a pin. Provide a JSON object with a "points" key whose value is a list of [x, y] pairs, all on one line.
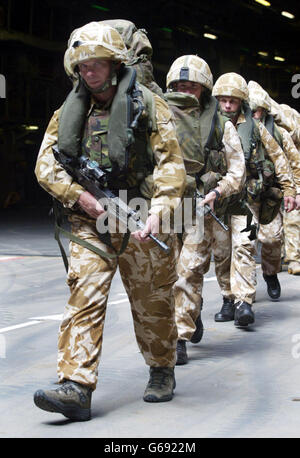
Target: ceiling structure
{"points": [[34, 35], [245, 24]]}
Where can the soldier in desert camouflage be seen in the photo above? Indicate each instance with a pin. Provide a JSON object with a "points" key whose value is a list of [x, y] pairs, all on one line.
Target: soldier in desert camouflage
{"points": [[94, 59], [215, 165], [271, 235], [289, 119], [232, 92]]}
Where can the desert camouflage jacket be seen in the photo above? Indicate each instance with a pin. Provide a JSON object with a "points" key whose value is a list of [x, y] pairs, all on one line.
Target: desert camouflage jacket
{"points": [[168, 175]]}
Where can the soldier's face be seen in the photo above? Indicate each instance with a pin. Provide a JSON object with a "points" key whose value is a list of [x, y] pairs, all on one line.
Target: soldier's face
{"points": [[229, 104], [190, 87], [259, 113], [95, 71]]}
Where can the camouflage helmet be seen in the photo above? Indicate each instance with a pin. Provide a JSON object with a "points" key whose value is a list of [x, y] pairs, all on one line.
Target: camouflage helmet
{"points": [[231, 85], [93, 40], [190, 68], [258, 97]]}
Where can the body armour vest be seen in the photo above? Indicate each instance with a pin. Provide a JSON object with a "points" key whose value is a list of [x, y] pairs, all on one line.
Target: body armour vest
{"points": [[261, 186], [199, 133], [258, 163], [118, 137]]}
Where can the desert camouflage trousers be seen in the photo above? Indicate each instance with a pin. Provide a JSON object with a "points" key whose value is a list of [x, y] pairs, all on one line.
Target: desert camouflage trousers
{"points": [[291, 223], [194, 258], [148, 276], [243, 266], [271, 238]]}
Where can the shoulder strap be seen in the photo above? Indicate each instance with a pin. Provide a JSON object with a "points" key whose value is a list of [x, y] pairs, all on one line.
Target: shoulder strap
{"points": [[71, 121], [273, 129], [246, 132], [58, 229], [149, 103]]}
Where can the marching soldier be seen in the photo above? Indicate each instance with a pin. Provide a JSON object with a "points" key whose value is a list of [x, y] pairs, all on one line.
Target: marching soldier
{"points": [[289, 119], [267, 166], [272, 245], [215, 165], [94, 115]]}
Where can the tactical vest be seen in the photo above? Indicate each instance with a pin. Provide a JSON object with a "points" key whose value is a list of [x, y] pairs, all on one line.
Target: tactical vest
{"points": [[261, 186], [127, 127], [198, 132], [253, 149], [131, 121], [200, 135]]}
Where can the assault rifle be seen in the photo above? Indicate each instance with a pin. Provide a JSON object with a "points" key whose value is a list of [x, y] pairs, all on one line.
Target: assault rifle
{"points": [[208, 210], [90, 176]]}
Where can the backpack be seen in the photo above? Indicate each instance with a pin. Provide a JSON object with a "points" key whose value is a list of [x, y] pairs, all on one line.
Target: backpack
{"points": [[139, 52]]}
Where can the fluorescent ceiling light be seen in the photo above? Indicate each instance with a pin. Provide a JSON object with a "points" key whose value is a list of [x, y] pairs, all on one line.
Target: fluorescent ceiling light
{"points": [[287, 14], [98, 7], [210, 35], [263, 2], [26, 127], [263, 53], [280, 59]]}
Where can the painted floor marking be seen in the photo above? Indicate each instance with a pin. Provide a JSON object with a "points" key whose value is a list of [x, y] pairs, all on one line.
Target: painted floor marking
{"points": [[17, 326], [10, 258]]}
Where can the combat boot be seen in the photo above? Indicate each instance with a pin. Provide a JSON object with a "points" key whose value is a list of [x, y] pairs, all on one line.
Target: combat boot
{"points": [[181, 353], [243, 314], [273, 285], [71, 399], [161, 384], [227, 311]]}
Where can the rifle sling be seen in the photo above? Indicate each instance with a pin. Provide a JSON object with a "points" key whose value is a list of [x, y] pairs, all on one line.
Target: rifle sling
{"points": [[60, 230]]}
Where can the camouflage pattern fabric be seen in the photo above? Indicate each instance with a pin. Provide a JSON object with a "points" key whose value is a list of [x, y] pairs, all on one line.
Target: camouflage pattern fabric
{"points": [[193, 264], [198, 71], [271, 253], [271, 235], [148, 275], [231, 85], [243, 265], [194, 257], [293, 156], [169, 172], [94, 143], [288, 118], [276, 155], [139, 51], [291, 222], [258, 97], [271, 238], [97, 41]]}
